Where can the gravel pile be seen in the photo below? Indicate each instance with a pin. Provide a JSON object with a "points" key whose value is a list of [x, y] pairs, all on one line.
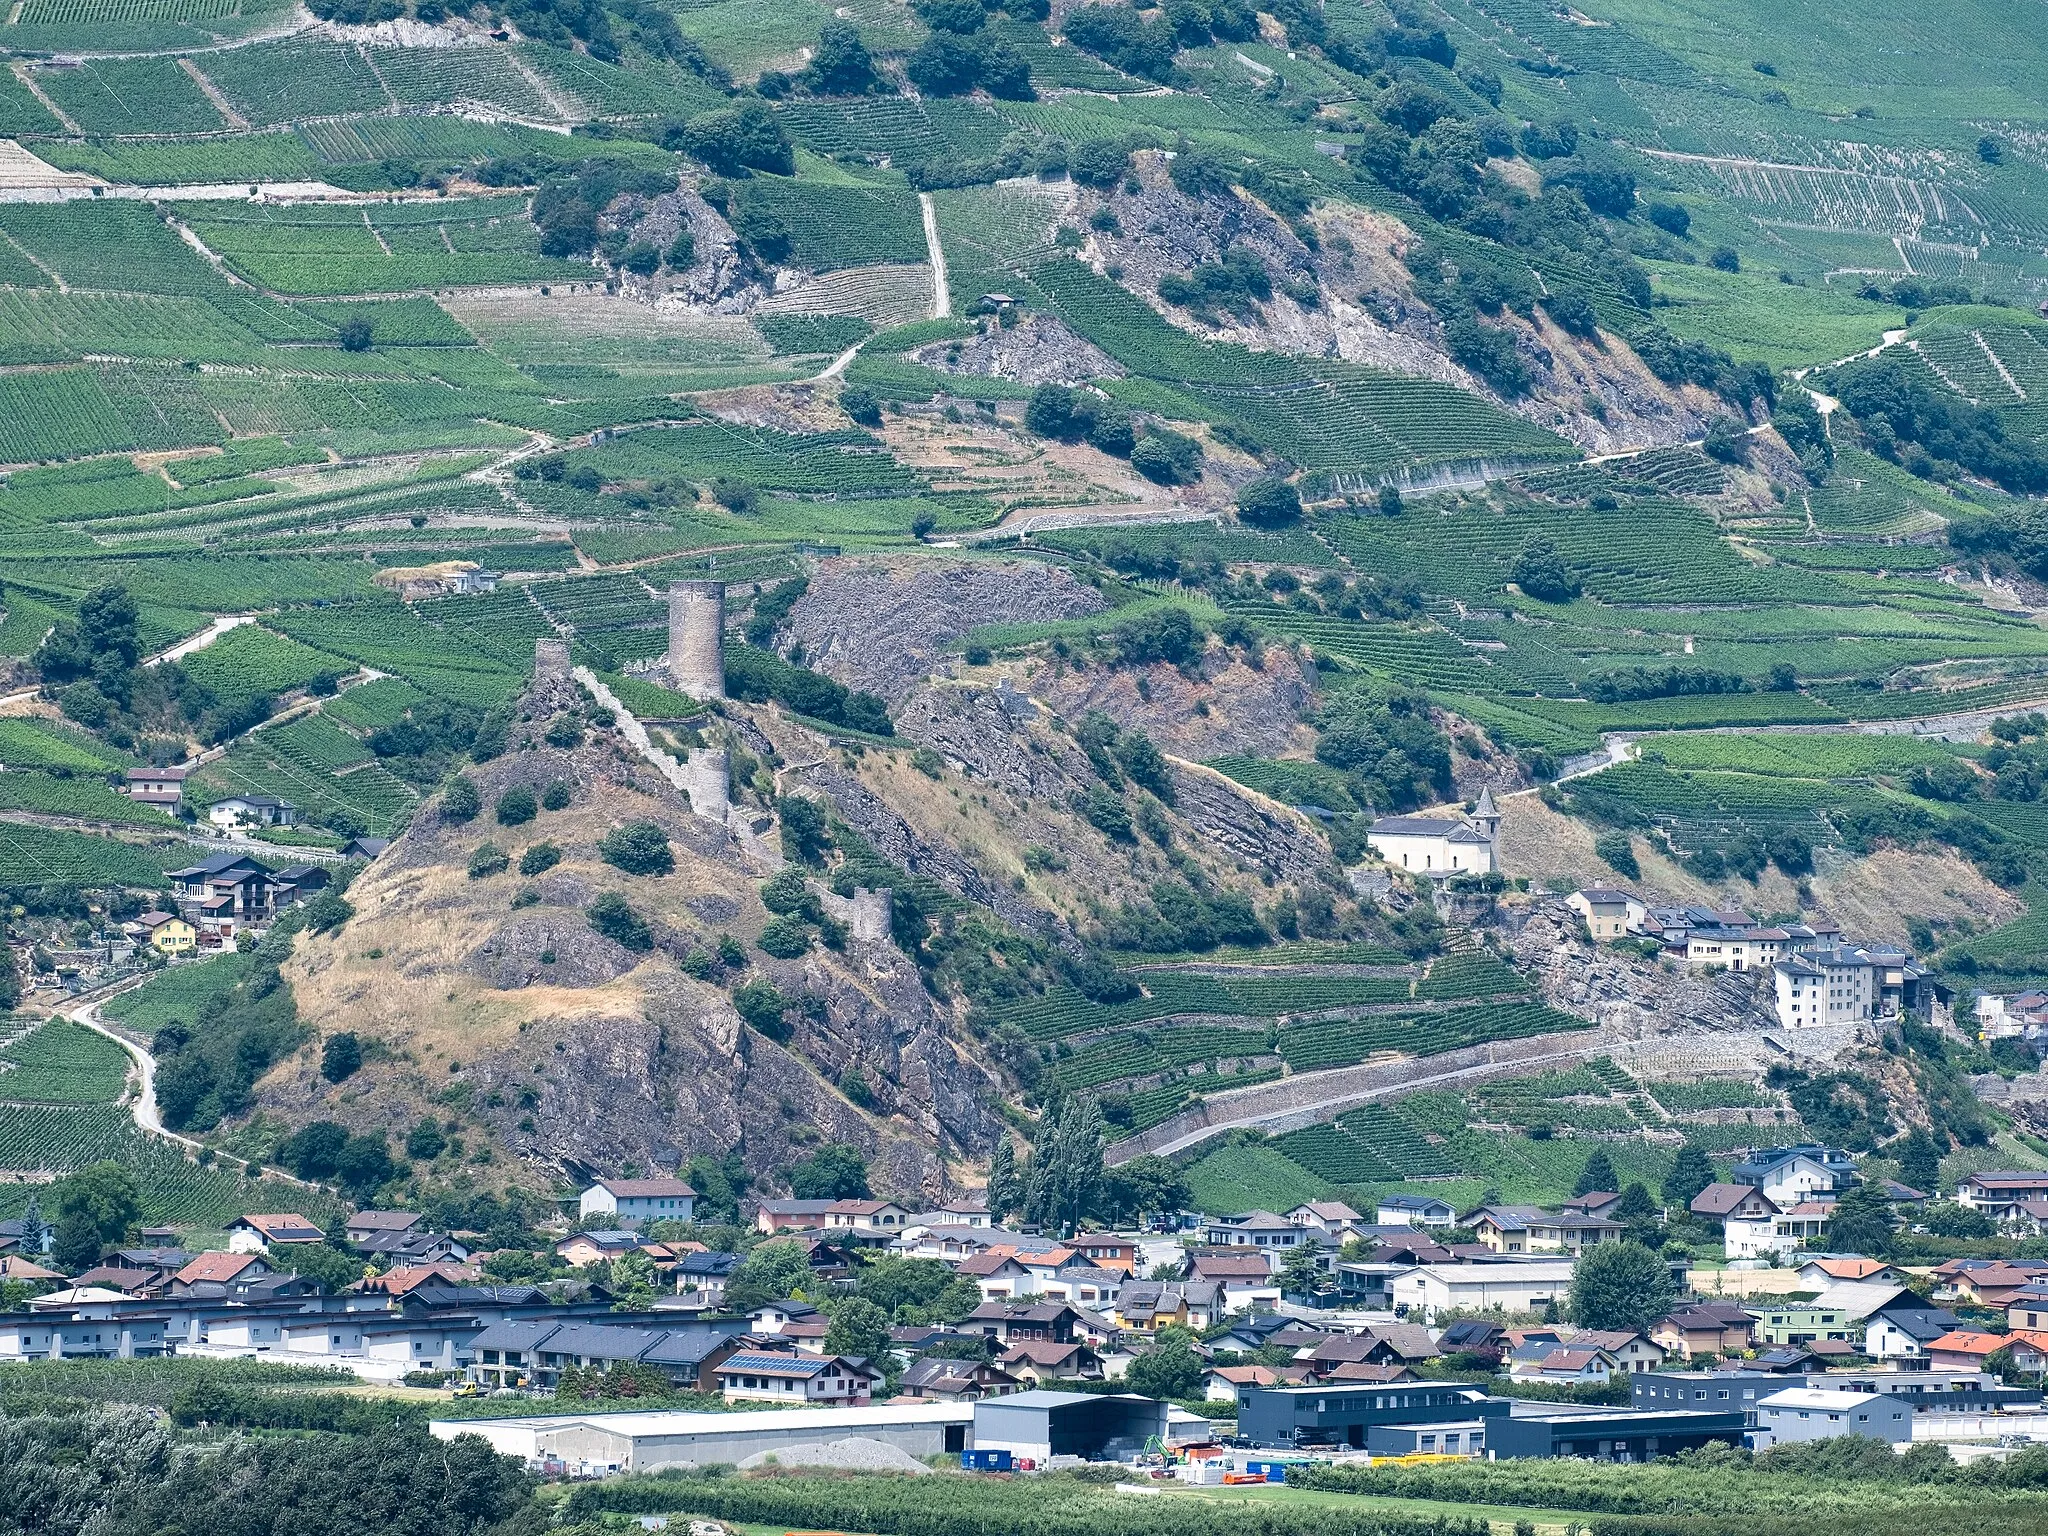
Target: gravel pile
{"points": [[850, 1455]]}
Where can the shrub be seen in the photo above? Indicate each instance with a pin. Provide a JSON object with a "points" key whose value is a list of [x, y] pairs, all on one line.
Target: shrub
{"points": [[556, 796], [539, 859], [488, 860], [341, 1058], [517, 806], [1540, 572], [1618, 853], [1269, 502], [639, 848], [611, 916], [354, 335], [761, 1007], [786, 937], [862, 404], [460, 801]]}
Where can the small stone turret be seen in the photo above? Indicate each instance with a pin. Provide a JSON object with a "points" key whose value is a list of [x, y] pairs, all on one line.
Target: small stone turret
{"points": [[696, 638], [550, 661]]}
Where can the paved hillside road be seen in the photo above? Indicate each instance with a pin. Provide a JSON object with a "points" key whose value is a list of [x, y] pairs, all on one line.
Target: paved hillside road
{"points": [[148, 1118]]}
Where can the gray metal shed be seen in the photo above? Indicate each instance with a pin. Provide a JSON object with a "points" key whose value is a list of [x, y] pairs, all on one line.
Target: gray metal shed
{"points": [[1095, 1426]]}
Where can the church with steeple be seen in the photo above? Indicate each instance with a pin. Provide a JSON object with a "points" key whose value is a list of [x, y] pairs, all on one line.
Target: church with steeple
{"points": [[1438, 845]]}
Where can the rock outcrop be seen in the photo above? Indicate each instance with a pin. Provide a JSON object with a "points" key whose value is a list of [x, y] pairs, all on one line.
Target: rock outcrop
{"points": [[883, 626]]}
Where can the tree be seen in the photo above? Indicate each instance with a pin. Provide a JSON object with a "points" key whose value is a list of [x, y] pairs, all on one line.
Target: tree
{"points": [[105, 1193], [1945, 1218], [772, 1272], [1066, 1167], [805, 834], [1920, 1162], [365, 1165], [1541, 573], [1170, 1368], [841, 65], [632, 1282], [639, 848], [341, 1058], [1638, 1212], [1862, 1223], [1620, 1286], [1270, 502], [1146, 1186], [863, 406], [108, 625], [733, 141], [334, 1263], [314, 1151], [832, 1172], [1598, 1174], [1301, 1272], [35, 1232], [77, 1244], [1005, 1189], [861, 1329], [1691, 1172], [355, 335]]}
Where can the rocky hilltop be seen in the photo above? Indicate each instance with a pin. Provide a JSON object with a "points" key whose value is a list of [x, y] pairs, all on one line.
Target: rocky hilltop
{"points": [[494, 995]]}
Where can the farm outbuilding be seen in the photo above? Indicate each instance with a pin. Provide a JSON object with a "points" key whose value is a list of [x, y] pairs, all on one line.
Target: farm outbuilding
{"points": [[1093, 1426]]}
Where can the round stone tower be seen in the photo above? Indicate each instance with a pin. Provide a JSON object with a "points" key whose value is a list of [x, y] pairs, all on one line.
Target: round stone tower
{"points": [[696, 638]]}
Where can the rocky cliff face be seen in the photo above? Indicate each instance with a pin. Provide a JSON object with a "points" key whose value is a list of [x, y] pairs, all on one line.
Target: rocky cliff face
{"points": [[884, 625], [492, 1000]]}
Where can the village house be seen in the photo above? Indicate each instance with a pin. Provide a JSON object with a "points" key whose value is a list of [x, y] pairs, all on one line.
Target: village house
{"points": [[1415, 1211], [629, 1202], [441, 578], [864, 1218], [366, 1224], [1039, 1361], [1564, 1365], [1788, 1175], [264, 1234], [167, 933], [252, 811], [1331, 1218], [1245, 1279], [1704, 1328], [1607, 912], [163, 788], [586, 1248], [1528, 1229], [1999, 1196], [1272, 1235], [798, 1380], [940, 1380], [1734, 949]]}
